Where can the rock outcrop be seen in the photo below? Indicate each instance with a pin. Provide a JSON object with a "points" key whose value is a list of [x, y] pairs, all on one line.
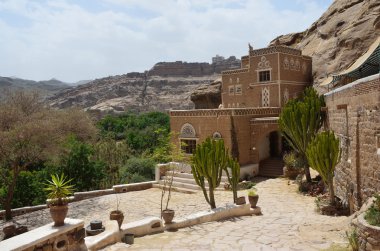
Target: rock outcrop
{"points": [[341, 35], [208, 96], [166, 86]]}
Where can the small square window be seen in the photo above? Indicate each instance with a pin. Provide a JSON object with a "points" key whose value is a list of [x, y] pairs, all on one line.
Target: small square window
{"points": [[264, 76], [188, 145], [238, 89]]}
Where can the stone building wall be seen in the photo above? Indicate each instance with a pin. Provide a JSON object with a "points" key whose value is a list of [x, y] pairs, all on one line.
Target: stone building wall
{"points": [[354, 115]]}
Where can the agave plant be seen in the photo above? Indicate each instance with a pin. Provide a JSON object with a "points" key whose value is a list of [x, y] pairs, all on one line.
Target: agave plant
{"points": [[58, 188]]}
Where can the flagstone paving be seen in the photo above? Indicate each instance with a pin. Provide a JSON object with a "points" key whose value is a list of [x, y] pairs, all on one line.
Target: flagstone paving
{"points": [[289, 221]]}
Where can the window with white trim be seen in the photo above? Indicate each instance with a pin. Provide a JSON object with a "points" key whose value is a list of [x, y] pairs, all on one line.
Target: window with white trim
{"points": [[264, 76]]}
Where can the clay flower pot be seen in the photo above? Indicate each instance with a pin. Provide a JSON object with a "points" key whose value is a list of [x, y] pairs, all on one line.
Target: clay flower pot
{"points": [[168, 215], [253, 200], [118, 216], [58, 214], [240, 200]]}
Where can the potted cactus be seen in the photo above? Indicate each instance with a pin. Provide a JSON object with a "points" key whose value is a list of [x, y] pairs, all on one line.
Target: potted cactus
{"points": [[59, 190], [253, 197]]}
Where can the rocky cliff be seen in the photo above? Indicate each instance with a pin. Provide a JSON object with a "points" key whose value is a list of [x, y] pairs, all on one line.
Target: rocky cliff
{"points": [[168, 85], [340, 36]]}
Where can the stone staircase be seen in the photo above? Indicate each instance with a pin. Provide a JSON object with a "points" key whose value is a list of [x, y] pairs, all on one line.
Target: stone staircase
{"points": [[271, 167], [184, 182]]}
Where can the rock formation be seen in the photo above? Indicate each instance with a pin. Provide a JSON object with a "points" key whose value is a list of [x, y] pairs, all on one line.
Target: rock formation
{"points": [[166, 86], [208, 96], [341, 35]]}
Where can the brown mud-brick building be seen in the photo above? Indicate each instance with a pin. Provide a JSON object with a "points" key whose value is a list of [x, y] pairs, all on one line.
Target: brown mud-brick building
{"points": [[247, 119]]}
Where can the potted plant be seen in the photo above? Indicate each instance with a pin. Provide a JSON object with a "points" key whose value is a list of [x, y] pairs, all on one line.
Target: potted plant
{"points": [[292, 166], [167, 214], [253, 197], [117, 214], [59, 190]]}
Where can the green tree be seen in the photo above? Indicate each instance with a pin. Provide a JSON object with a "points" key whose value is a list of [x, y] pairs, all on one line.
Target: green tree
{"points": [[209, 160], [139, 130], [300, 121], [114, 154], [31, 133], [323, 155], [79, 164]]}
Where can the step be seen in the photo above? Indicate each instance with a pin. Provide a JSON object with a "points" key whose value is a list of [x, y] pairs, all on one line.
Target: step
{"points": [[177, 189], [188, 181], [190, 176], [191, 186]]}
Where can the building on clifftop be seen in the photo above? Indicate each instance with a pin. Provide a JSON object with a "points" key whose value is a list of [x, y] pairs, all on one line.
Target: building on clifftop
{"points": [[247, 118]]}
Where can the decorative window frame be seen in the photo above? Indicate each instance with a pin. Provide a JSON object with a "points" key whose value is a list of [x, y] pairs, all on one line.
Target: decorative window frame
{"points": [[231, 90], [217, 135], [187, 133], [270, 76], [190, 134], [263, 101], [238, 90]]}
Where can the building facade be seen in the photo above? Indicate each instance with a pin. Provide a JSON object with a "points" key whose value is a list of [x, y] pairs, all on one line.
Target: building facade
{"points": [[252, 97]]}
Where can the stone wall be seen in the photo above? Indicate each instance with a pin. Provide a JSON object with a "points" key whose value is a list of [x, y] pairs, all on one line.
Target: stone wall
{"points": [[354, 115], [183, 69], [67, 237]]}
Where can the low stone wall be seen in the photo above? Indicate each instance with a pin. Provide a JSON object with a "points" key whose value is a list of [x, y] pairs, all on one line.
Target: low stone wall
{"points": [[369, 236], [67, 237], [123, 188]]}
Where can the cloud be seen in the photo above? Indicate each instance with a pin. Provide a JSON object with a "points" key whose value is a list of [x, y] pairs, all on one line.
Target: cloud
{"points": [[70, 40]]}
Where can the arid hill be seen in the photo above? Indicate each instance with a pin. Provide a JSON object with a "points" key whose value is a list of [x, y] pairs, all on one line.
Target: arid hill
{"points": [[168, 85], [45, 88]]}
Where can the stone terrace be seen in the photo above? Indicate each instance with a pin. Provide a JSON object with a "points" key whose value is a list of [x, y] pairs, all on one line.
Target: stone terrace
{"points": [[288, 221]]}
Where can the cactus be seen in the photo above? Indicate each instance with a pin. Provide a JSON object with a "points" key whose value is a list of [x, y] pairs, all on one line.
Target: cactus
{"points": [[323, 155], [233, 179], [300, 121], [209, 160]]}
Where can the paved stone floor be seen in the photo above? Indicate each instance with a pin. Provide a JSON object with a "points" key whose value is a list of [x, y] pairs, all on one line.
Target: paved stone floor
{"points": [[289, 221]]}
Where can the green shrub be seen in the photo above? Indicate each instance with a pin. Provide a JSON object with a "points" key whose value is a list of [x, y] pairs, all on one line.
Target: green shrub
{"points": [[80, 166], [137, 168], [372, 215], [292, 160]]}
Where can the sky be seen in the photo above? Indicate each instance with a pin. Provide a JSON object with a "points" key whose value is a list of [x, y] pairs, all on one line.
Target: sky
{"points": [[74, 40]]}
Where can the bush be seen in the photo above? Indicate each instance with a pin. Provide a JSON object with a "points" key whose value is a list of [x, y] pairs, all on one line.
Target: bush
{"points": [[136, 169], [79, 165], [372, 215], [293, 161]]}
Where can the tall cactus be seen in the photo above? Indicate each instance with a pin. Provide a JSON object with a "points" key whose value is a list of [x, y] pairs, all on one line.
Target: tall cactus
{"points": [[323, 155], [300, 121], [233, 178], [209, 160]]}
